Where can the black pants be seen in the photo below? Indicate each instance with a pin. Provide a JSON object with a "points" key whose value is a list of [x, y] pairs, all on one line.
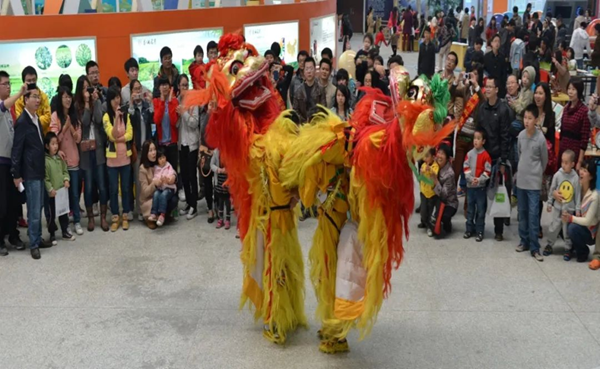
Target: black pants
{"points": [[172, 154], [427, 205], [207, 189], [446, 218], [189, 175], [63, 219], [223, 206], [10, 204]]}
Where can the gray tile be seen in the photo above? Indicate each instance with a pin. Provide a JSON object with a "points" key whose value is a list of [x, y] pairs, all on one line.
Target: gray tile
{"points": [[495, 285]]}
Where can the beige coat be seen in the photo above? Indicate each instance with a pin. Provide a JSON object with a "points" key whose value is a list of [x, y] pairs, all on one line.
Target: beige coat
{"points": [[146, 175]]}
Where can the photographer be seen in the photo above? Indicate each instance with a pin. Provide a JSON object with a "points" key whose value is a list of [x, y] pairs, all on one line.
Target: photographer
{"points": [[466, 88], [281, 77], [30, 77], [93, 74]]}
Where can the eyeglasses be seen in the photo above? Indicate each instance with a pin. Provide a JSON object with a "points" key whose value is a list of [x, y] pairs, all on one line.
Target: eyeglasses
{"points": [[7, 84], [37, 97]]}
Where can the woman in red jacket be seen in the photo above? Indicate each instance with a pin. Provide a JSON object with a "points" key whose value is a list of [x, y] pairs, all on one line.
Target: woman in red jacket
{"points": [[165, 118], [491, 30]]}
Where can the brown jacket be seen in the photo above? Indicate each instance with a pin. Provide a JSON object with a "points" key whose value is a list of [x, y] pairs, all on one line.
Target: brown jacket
{"points": [[301, 104], [146, 190]]}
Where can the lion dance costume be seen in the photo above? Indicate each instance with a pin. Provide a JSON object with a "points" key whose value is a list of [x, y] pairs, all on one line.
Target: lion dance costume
{"points": [[364, 167], [253, 134]]}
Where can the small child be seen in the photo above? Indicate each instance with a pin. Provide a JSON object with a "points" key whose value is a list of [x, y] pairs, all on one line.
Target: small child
{"points": [[533, 158], [380, 38], [222, 197], [566, 183], [198, 61], [477, 168], [163, 174], [430, 169], [56, 177]]}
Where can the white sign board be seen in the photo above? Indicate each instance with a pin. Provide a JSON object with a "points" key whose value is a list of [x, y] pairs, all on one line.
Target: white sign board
{"points": [[146, 49], [322, 35], [50, 58], [286, 34]]}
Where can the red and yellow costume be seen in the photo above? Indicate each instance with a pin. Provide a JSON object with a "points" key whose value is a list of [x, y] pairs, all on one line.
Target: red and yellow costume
{"points": [[364, 166], [252, 134]]}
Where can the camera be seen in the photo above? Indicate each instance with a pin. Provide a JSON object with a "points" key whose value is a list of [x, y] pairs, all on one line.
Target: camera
{"points": [[467, 76], [31, 86], [90, 90]]}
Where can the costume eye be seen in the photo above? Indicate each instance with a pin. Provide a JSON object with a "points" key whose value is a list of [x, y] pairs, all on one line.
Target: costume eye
{"points": [[235, 68]]}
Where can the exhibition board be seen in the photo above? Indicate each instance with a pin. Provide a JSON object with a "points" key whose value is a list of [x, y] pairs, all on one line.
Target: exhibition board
{"points": [[113, 31]]}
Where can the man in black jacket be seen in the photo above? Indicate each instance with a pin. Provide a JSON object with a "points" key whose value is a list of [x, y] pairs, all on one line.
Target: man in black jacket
{"points": [[426, 63], [28, 168], [494, 117], [495, 65]]}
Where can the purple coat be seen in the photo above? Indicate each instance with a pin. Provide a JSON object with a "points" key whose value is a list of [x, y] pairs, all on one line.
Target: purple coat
{"points": [[408, 22]]}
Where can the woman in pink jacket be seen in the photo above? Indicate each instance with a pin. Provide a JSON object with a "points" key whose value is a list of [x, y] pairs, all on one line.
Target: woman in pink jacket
{"points": [[66, 125]]}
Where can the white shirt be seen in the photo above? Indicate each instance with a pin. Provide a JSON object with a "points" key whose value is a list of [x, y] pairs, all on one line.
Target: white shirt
{"points": [[35, 120], [579, 41]]}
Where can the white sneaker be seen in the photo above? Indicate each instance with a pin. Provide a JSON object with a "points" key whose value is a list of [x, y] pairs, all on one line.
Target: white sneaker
{"points": [[192, 214], [185, 210], [140, 217], [429, 233], [181, 196], [95, 209], [78, 229], [130, 216]]}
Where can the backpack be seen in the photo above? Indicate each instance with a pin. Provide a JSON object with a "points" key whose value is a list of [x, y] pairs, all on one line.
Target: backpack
{"points": [[517, 51]]}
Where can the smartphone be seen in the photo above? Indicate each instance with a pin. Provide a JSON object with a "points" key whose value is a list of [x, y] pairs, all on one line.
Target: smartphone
{"points": [[90, 90], [276, 75], [124, 108], [31, 86]]}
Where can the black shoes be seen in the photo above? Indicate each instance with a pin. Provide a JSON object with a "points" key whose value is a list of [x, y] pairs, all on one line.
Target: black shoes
{"points": [[35, 253], [479, 237], [467, 235], [499, 237], [45, 244], [421, 226], [3, 250], [17, 243]]}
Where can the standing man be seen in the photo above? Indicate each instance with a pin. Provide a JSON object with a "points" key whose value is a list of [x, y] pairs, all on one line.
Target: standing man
{"points": [[133, 69], [9, 197], [495, 65], [325, 82], [526, 14], [167, 71], [28, 167], [29, 76], [212, 50], [448, 75], [309, 93], [517, 18], [464, 26], [426, 61], [93, 74], [580, 40], [494, 117], [165, 118], [298, 77]]}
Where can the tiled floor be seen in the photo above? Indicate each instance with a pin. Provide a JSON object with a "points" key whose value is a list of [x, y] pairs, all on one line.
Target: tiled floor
{"points": [[169, 299]]}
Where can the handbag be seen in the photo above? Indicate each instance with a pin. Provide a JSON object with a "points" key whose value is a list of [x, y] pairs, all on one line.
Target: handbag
{"points": [[204, 162], [500, 207], [87, 145]]}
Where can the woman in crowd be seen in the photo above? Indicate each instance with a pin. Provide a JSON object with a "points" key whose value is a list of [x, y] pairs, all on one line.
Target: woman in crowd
{"points": [[65, 124], [206, 174], [362, 54], [575, 126], [146, 177], [189, 143], [571, 62], [480, 29], [445, 189], [118, 157], [582, 230], [141, 114], [491, 31], [560, 71], [92, 150], [546, 122], [370, 22], [545, 51], [341, 106]]}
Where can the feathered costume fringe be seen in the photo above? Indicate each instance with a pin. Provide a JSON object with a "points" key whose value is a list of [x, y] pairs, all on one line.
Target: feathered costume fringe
{"points": [[315, 162], [252, 144]]}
